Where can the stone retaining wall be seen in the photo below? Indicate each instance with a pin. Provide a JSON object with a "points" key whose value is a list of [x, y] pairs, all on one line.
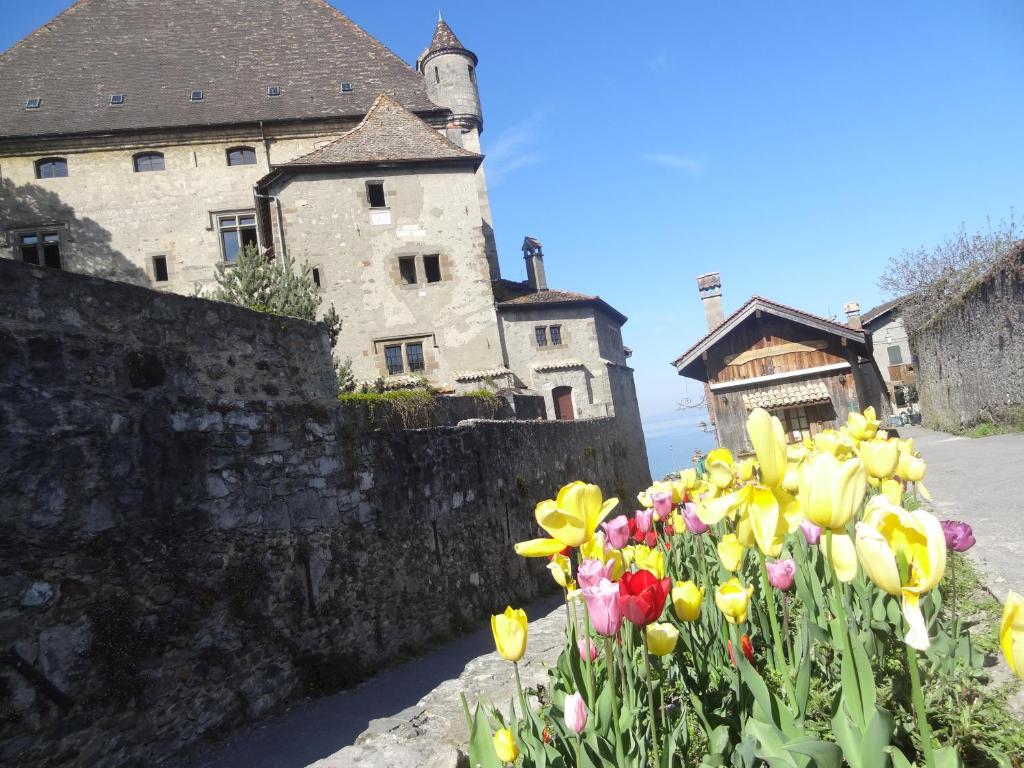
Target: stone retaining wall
{"points": [[178, 559]]}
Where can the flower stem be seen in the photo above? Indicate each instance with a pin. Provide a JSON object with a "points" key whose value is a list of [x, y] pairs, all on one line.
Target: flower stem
{"points": [[780, 653], [519, 689], [922, 713], [579, 750], [650, 698], [952, 575], [609, 656]]}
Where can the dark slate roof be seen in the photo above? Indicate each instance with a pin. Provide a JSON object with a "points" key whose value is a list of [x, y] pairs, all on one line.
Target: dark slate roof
{"points": [[445, 41], [512, 296], [158, 51], [752, 305], [388, 134], [875, 312]]}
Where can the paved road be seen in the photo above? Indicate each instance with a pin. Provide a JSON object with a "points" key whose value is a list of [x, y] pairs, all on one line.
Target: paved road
{"points": [[980, 481], [406, 716]]}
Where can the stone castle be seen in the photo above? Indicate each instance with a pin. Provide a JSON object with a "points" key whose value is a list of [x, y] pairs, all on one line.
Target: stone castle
{"points": [[148, 142]]}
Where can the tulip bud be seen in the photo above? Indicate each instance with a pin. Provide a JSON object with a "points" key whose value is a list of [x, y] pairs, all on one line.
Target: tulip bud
{"points": [[592, 571], [509, 629], [603, 607], [693, 523], [505, 746], [811, 532], [730, 551], [733, 600], [781, 574], [575, 713], [661, 639], [617, 531], [644, 518], [662, 504], [588, 649], [746, 645], [686, 600], [1011, 633], [880, 457], [959, 536]]}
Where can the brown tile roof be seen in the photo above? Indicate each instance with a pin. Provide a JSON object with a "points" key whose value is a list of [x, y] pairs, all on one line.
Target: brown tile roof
{"points": [[794, 393], [445, 40], [388, 134], [512, 296], [157, 51]]}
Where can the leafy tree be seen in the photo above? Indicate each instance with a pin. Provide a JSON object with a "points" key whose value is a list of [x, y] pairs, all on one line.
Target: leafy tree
{"points": [[928, 281], [268, 285], [346, 379]]}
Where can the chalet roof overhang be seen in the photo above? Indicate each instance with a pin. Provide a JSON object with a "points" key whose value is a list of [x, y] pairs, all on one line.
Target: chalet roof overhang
{"points": [[594, 303], [470, 163], [691, 362]]}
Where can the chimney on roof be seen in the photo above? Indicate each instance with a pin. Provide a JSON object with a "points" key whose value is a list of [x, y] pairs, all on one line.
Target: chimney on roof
{"points": [[852, 309], [710, 288], [454, 133], [534, 255]]}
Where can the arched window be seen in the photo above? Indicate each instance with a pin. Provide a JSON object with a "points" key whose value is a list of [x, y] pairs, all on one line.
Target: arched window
{"points": [[241, 156], [148, 161], [51, 167]]}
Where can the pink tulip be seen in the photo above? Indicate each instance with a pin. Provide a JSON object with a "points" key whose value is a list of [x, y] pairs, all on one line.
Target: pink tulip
{"points": [[616, 532], [811, 532], [781, 573], [693, 523], [644, 518], [575, 713], [592, 571], [959, 536], [662, 504], [603, 606], [588, 649]]}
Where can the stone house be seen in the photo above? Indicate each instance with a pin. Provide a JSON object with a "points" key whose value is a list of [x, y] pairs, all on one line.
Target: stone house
{"points": [[891, 345], [149, 141], [807, 370]]}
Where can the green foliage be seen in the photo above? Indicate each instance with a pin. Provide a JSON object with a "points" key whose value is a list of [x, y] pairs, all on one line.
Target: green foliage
{"points": [[406, 408], [1005, 421], [267, 285], [343, 374]]}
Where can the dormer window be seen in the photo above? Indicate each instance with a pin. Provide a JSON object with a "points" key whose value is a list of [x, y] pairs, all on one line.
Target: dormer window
{"points": [[51, 168], [273, 90], [196, 96], [117, 99], [346, 87], [148, 161], [34, 103], [241, 156]]}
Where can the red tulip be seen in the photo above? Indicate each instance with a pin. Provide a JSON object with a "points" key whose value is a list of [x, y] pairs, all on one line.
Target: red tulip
{"points": [[642, 596], [748, 649]]}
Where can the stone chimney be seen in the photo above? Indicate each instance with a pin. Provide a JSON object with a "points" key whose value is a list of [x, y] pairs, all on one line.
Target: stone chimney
{"points": [[454, 133], [534, 255], [852, 309], [710, 287]]}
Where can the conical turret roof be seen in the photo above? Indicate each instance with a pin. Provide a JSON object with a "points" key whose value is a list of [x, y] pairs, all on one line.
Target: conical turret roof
{"points": [[446, 41]]}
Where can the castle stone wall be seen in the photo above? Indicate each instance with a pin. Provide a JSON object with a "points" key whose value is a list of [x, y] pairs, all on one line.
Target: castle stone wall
{"points": [[179, 557]]}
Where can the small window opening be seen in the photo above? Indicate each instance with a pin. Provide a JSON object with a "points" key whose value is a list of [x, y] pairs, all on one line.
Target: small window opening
{"points": [[273, 90], [160, 269], [346, 87], [437, 75], [895, 355], [541, 333], [315, 273], [414, 354], [241, 156], [148, 161], [51, 168], [393, 359], [40, 248], [116, 99], [33, 104], [432, 268], [196, 96], [375, 194], [556, 335], [407, 269], [472, 74]]}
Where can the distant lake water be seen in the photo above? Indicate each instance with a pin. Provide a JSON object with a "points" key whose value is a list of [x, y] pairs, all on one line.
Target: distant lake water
{"points": [[672, 451]]}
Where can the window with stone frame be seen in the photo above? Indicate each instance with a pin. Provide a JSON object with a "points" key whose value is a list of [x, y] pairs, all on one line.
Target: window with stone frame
{"points": [[407, 269], [540, 333], [241, 156], [555, 332], [51, 168], [237, 231], [393, 359], [145, 162], [414, 356], [432, 268], [41, 248], [375, 194]]}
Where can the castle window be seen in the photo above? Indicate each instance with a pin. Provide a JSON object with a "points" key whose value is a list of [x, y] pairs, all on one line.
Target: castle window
{"points": [[237, 232], [541, 334], [315, 275], [432, 268], [472, 74], [375, 194], [196, 96], [437, 75], [148, 161], [407, 269], [51, 168], [273, 90], [40, 248], [393, 359], [33, 103], [117, 99], [160, 274], [346, 87], [414, 354], [556, 335], [241, 156]]}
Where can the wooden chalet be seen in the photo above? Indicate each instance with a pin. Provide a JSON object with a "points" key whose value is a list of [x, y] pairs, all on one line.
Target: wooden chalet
{"points": [[808, 371]]}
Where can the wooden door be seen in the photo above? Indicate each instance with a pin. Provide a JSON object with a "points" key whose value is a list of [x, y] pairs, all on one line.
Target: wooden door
{"points": [[562, 397]]}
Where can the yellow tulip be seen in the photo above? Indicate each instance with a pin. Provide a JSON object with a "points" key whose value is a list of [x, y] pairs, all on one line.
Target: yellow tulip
{"points": [[745, 531], [505, 746], [661, 639], [687, 598], [893, 491], [720, 467], [1011, 633], [731, 552], [733, 600], [769, 440], [687, 480], [570, 519], [509, 629], [647, 559], [888, 534], [844, 556], [561, 570], [831, 490], [880, 457], [862, 426]]}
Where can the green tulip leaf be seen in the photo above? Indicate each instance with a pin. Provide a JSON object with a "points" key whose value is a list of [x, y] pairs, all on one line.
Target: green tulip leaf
{"points": [[877, 738], [947, 757], [481, 743], [823, 754], [899, 760]]}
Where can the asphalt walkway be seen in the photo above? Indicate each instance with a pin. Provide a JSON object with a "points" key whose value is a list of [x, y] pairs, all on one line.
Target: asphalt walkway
{"points": [[980, 481]]}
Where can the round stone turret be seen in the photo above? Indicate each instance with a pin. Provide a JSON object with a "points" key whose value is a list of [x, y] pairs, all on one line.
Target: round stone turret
{"points": [[449, 70]]}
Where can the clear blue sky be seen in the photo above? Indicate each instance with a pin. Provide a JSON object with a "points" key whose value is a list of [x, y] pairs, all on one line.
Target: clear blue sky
{"points": [[792, 147]]}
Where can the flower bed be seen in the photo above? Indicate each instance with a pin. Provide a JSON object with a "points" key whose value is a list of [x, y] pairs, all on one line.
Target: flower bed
{"points": [[779, 611]]}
